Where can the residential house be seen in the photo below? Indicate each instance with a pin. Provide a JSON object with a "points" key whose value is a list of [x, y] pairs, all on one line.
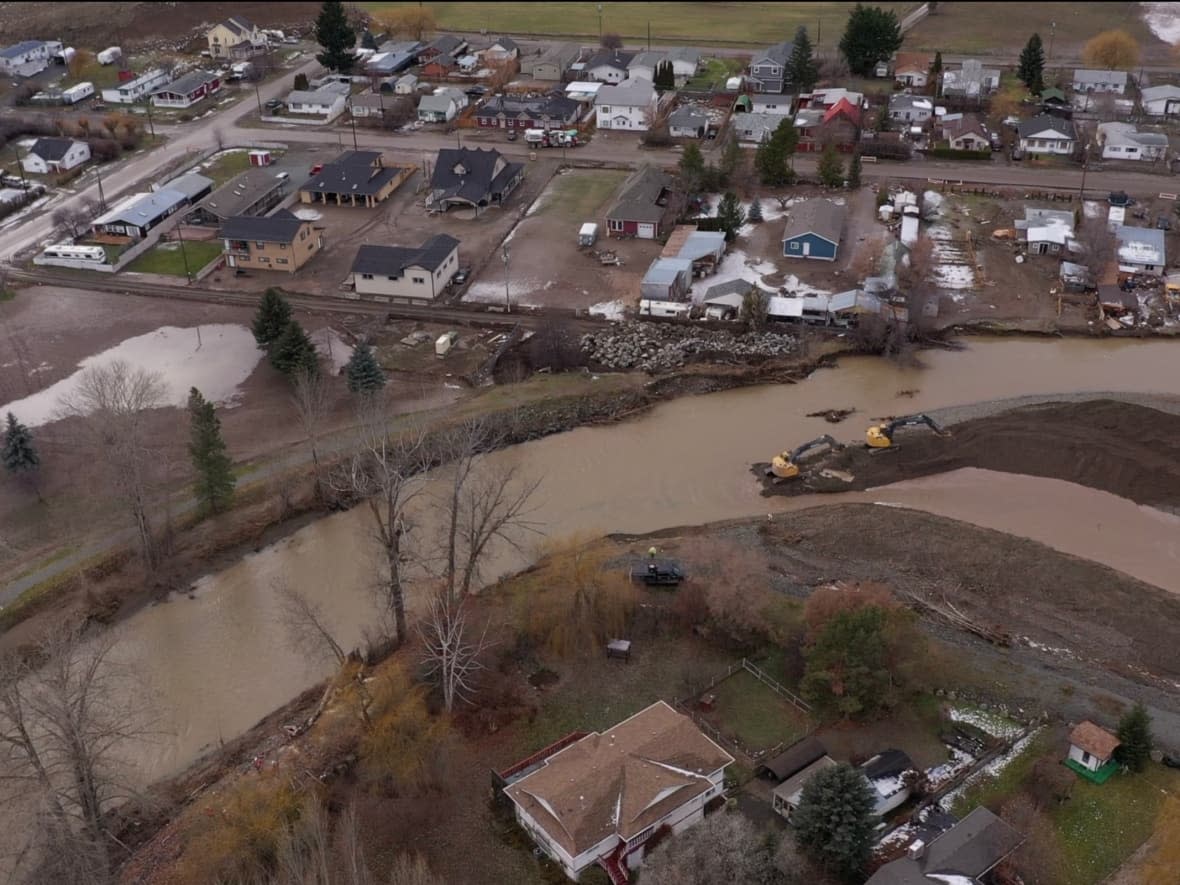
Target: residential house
{"points": [[786, 796], [970, 80], [1122, 141], [686, 61], [472, 178], [912, 69], [406, 84], [186, 91], [442, 45], [841, 308], [723, 301], [771, 103], [1141, 250], [964, 854], [468, 64], [138, 89], [371, 105], [139, 213], [886, 773], [645, 208], [768, 68], [814, 229], [28, 57], [910, 108], [279, 242], [667, 279], [506, 112], [503, 50], [553, 63], [1044, 134], [828, 98], [1076, 277], [753, 129], [583, 91], [1114, 301], [644, 64], [252, 192], [440, 67], [705, 249], [329, 101], [838, 125], [966, 133], [193, 185], [235, 39], [599, 799], [1160, 101], [355, 178], [406, 274], [54, 155], [392, 58], [1091, 748], [608, 66], [438, 108], [631, 105], [1046, 231], [1100, 81], [688, 122]]}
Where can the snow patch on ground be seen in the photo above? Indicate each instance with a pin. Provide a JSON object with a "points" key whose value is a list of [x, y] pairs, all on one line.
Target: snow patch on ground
{"points": [[992, 769], [538, 203], [217, 367], [736, 265], [953, 271], [1164, 20], [331, 347], [308, 214], [492, 291], [608, 310], [948, 771], [994, 724], [1092, 209]]}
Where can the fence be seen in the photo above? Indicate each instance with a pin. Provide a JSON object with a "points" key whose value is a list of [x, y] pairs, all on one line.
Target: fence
{"points": [[775, 685]]}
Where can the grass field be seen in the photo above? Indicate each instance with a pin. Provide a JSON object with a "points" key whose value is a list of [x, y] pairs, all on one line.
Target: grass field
{"points": [[578, 195], [751, 711], [715, 72], [754, 24], [991, 29], [166, 258], [226, 166]]}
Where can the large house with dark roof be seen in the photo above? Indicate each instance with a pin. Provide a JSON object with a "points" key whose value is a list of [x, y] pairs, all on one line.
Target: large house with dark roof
{"points": [[507, 112], [768, 69], [54, 155], [186, 91], [608, 66], [355, 178], [254, 191], [279, 242], [965, 854], [404, 273], [814, 230], [601, 797], [472, 178], [645, 209]]}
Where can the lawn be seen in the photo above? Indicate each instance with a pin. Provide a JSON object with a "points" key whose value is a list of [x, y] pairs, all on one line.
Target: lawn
{"points": [[166, 258], [576, 196], [754, 24], [751, 711], [991, 29], [995, 791], [226, 165], [715, 72]]}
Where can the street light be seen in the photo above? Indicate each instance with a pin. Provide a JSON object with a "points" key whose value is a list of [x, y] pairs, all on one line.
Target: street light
{"points": [[507, 296]]}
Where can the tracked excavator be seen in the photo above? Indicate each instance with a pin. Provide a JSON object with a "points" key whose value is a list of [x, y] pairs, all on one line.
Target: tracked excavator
{"points": [[880, 436], [786, 465]]}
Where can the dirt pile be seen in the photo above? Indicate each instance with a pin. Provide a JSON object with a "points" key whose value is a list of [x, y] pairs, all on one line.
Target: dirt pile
{"points": [[1125, 449]]}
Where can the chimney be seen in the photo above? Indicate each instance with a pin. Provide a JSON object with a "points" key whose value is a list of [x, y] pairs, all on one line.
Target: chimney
{"points": [[916, 850]]}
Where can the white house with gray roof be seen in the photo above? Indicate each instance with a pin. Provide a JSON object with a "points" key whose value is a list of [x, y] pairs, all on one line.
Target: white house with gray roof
{"points": [[1114, 82], [1045, 134], [1160, 101], [630, 106], [970, 80], [686, 61], [28, 57], [1141, 250], [1122, 141]]}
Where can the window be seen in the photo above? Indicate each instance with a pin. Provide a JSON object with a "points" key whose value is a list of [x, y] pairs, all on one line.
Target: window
{"points": [[366, 276], [281, 261], [263, 260], [303, 234], [258, 245], [282, 245], [605, 109], [419, 280], [1085, 758], [615, 224]]}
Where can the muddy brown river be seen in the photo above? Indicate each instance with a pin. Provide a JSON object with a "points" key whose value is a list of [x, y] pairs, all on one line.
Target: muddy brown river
{"points": [[222, 660]]}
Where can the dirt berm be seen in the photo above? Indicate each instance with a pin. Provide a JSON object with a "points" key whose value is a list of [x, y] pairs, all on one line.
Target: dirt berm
{"points": [[1125, 449]]}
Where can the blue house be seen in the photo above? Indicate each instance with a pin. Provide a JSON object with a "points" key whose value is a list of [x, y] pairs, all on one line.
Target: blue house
{"points": [[813, 230]]}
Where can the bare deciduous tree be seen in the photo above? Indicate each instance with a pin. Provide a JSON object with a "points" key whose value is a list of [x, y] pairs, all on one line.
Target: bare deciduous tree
{"points": [[111, 401], [63, 726], [450, 652], [312, 398], [722, 848], [304, 621], [411, 869], [1099, 248]]}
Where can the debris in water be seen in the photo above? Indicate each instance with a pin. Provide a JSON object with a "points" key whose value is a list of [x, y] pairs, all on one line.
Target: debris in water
{"points": [[832, 416]]}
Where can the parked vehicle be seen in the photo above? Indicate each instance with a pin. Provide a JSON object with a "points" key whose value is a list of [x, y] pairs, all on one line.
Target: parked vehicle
{"points": [[658, 573], [997, 142], [1171, 761], [273, 105], [461, 276], [1119, 198], [317, 169], [512, 135]]}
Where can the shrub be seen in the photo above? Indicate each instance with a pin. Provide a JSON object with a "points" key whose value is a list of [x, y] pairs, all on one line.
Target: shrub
{"points": [[952, 154], [885, 150]]}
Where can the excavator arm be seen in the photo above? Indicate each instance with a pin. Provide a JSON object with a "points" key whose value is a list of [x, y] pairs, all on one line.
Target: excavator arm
{"points": [[786, 465], [880, 436]]}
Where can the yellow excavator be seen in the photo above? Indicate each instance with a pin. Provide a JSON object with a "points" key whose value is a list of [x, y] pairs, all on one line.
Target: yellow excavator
{"points": [[880, 436], [786, 465]]}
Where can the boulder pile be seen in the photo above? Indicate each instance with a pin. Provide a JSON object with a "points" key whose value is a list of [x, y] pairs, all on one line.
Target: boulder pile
{"points": [[659, 347]]}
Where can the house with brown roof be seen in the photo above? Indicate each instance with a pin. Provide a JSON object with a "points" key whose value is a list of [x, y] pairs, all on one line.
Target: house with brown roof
{"points": [[599, 799], [966, 133], [912, 69], [1091, 751]]}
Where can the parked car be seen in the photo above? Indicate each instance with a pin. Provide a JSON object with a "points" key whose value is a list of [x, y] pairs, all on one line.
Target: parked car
{"points": [[1171, 761], [1119, 198], [512, 135], [273, 105], [1163, 223], [997, 142], [461, 276]]}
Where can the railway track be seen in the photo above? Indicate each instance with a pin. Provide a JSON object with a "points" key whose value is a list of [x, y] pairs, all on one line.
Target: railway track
{"points": [[323, 304]]}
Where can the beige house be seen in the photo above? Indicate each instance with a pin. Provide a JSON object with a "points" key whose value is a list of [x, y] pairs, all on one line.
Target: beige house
{"points": [[400, 273], [355, 178], [235, 39], [279, 242]]}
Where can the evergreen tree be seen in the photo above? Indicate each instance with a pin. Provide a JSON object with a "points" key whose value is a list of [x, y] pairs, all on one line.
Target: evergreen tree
{"points": [[854, 170], [831, 167], [336, 37], [730, 215], [215, 481], [845, 669], [293, 352], [731, 156], [835, 820], [274, 313], [301, 82], [665, 77], [771, 157], [20, 456], [1031, 68], [872, 35], [936, 67], [692, 165], [802, 72], [1134, 734], [365, 374], [755, 213]]}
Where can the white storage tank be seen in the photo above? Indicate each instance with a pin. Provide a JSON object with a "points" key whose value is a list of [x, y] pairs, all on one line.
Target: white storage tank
{"points": [[445, 342]]}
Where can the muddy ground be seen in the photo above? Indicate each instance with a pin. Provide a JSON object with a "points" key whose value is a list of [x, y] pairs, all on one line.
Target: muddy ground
{"points": [[1128, 450]]}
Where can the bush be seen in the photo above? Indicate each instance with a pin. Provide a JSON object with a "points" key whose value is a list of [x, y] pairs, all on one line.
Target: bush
{"points": [[947, 153], [885, 150]]}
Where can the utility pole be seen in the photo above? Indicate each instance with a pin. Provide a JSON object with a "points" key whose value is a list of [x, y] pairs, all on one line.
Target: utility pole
{"points": [[151, 126], [1085, 168], [352, 119], [183, 255], [258, 95], [649, 35], [19, 167], [102, 201], [507, 295]]}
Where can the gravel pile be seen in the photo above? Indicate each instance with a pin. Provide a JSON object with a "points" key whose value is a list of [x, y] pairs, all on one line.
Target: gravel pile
{"points": [[656, 347]]}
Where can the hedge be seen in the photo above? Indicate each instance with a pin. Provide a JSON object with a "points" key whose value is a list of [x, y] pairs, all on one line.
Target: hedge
{"points": [[952, 154], [885, 150]]}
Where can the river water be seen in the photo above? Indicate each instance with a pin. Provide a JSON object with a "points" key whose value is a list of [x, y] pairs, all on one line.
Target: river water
{"points": [[220, 661]]}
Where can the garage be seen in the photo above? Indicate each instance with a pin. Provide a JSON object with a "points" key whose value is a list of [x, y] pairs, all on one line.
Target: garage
{"points": [[647, 231]]}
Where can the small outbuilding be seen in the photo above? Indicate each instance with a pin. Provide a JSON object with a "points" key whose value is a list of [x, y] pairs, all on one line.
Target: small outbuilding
{"points": [[587, 234], [1091, 752]]}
